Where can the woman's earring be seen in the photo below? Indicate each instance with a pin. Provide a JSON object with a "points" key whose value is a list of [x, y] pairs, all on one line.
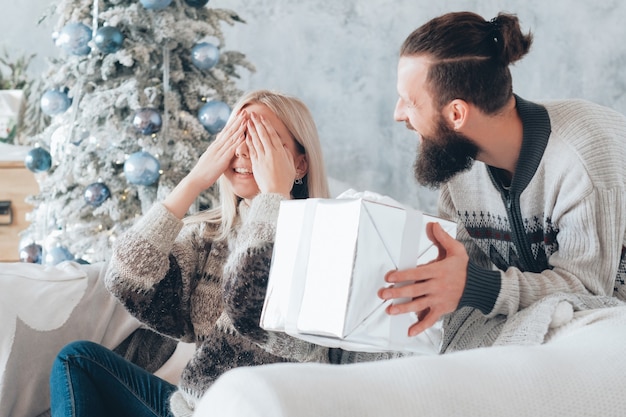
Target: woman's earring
{"points": [[298, 181]]}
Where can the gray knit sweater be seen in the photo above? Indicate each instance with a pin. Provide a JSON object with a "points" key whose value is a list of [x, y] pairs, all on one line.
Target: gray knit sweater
{"points": [[181, 283], [558, 227]]}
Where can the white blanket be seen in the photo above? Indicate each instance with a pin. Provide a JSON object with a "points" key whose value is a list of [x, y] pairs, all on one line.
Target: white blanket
{"points": [[564, 356], [42, 308]]}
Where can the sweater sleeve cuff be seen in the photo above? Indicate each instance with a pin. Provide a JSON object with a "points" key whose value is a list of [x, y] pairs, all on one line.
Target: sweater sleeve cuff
{"points": [[159, 226], [481, 288], [264, 208], [260, 224]]}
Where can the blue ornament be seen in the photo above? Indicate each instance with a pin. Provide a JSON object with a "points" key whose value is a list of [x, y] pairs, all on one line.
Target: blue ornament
{"points": [[147, 121], [214, 115], [205, 55], [57, 255], [54, 102], [74, 38], [155, 4], [141, 168], [96, 193], [109, 39], [196, 3], [38, 160], [31, 253]]}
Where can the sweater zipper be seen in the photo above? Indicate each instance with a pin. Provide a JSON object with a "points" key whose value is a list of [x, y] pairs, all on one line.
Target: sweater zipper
{"points": [[519, 235]]}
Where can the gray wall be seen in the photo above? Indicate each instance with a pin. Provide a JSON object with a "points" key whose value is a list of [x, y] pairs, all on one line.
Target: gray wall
{"points": [[340, 57]]}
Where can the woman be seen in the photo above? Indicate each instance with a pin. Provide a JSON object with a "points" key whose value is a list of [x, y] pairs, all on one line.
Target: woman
{"points": [[178, 276]]}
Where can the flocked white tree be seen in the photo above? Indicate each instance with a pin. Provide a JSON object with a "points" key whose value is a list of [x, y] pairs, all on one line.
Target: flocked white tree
{"points": [[139, 91]]}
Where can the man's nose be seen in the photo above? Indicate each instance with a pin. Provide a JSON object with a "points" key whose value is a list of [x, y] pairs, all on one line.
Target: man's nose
{"points": [[398, 112]]}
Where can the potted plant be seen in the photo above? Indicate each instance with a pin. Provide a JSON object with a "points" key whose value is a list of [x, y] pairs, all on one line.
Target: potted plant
{"points": [[14, 86]]}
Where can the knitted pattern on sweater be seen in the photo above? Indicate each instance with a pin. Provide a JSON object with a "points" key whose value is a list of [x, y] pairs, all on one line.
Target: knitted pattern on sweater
{"points": [[179, 281]]}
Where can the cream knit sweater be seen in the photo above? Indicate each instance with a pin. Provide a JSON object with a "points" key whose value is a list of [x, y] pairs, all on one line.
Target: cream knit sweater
{"points": [[560, 227]]}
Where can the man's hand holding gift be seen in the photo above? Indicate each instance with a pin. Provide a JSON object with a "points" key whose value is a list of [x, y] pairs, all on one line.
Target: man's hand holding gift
{"points": [[432, 289]]}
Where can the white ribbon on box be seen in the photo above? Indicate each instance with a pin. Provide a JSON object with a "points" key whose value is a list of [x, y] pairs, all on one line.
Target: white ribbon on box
{"points": [[330, 258]]}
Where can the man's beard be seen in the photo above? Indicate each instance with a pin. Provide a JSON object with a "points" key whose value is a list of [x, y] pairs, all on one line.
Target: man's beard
{"points": [[441, 157]]}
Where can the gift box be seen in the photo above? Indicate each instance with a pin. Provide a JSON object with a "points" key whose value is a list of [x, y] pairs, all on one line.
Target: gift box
{"points": [[330, 258]]}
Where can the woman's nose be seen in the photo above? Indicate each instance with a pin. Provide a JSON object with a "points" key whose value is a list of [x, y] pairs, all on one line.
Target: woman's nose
{"points": [[241, 151]]}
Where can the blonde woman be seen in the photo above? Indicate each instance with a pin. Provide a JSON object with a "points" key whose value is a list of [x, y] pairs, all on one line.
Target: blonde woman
{"points": [[179, 276]]}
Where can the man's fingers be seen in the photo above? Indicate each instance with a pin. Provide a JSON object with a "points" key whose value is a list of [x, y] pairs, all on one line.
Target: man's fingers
{"points": [[414, 304], [446, 241], [420, 273], [428, 321]]}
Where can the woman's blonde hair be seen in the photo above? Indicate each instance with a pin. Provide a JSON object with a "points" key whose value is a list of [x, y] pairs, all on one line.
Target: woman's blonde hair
{"points": [[299, 121]]}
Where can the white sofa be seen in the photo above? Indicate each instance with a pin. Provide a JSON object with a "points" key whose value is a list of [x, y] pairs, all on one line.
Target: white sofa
{"points": [[563, 357], [577, 369], [42, 308]]}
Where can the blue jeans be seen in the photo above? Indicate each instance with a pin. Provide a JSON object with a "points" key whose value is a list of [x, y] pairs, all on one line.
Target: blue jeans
{"points": [[88, 379]]}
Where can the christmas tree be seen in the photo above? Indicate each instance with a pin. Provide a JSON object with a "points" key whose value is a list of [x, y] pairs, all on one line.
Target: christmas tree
{"points": [[139, 91]]}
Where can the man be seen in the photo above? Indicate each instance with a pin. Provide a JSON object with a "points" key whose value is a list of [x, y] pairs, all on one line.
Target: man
{"points": [[538, 191], [537, 273]]}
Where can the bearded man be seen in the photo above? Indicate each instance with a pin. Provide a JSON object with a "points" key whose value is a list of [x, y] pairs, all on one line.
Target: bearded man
{"points": [[538, 190]]}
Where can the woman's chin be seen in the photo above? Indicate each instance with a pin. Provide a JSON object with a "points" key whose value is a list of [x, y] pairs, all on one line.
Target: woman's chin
{"points": [[246, 192]]}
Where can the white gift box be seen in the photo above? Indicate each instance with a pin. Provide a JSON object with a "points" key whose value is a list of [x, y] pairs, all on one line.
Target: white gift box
{"points": [[330, 258]]}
